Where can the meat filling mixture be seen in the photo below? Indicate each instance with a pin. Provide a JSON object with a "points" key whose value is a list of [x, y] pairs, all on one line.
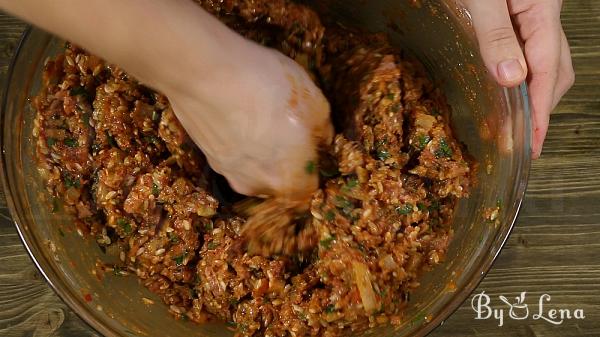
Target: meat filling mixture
{"points": [[115, 157]]}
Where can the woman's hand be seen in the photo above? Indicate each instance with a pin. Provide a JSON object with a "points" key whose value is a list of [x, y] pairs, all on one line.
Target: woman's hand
{"points": [[255, 113], [545, 59], [259, 124]]}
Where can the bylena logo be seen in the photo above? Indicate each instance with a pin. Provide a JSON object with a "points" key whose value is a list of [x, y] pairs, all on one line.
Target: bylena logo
{"points": [[519, 310]]}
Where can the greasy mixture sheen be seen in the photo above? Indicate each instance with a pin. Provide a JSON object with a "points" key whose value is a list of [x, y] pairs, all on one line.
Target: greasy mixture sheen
{"points": [[115, 157]]}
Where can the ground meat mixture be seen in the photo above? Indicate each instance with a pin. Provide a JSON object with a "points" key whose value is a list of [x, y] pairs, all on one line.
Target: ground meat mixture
{"points": [[115, 157]]}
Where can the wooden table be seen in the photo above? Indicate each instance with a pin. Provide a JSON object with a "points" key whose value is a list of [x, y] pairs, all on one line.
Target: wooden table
{"points": [[554, 248]]}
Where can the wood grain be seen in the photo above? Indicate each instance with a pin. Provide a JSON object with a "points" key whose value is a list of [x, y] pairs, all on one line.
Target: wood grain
{"points": [[554, 248]]}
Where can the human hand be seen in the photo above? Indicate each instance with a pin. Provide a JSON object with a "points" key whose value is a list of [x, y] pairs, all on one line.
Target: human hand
{"points": [[544, 60], [261, 125]]}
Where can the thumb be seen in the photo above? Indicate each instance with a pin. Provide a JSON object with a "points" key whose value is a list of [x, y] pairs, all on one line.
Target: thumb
{"points": [[498, 42]]}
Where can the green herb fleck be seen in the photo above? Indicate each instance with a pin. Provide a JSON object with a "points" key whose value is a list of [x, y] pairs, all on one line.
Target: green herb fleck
{"points": [[123, 223], [330, 215], [310, 167], [352, 183], [179, 259], [326, 243], [86, 119], [71, 142], [423, 141], [346, 205], [395, 107], [444, 150], [173, 237], [421, 206], [234, 301], [405, 209], [71, 181], [50, 141], [155, 190], [330, 309], [391, 96], [435, 206], [383, 154], [212, 245], [60, 231], [208, 226]]}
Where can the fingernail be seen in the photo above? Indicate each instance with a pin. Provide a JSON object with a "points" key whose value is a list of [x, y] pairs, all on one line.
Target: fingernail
{"points": [[510, 71]]}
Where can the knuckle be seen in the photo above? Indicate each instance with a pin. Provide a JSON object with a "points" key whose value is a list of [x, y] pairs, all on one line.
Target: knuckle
{"points": [[500, 36]]}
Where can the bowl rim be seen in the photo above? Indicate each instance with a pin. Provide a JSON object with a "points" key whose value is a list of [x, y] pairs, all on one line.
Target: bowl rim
{"points": [[81, 310], [31, 247]]}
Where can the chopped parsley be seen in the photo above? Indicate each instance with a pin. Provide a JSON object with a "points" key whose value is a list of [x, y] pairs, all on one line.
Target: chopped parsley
{"points": [[310, 167], [208, 226], [421, 206], [443, 150], [123, 223], [423, 141], [352, 183], [326, 243], [212, 245], [50, 141], [173, 237], [71, 142], [405, 209], [179, 259], [383, 154], [330, 215], [71, 181], [344, 204], [86, 119], [435, 206], [155, 190], [330, 309], [391, 96]]}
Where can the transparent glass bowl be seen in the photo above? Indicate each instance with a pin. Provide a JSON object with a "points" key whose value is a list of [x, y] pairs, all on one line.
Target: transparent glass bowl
{"points": [[494, 123]]}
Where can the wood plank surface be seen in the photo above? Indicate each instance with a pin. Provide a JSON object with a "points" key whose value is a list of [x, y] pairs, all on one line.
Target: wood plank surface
{"points": [[554, 248]]}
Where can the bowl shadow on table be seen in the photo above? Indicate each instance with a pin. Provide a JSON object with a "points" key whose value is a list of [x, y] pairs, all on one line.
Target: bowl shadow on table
{"points": [[492, 122]]}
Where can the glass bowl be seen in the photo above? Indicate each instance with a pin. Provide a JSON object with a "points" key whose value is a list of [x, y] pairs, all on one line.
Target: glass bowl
{"points": [[493, 122]]}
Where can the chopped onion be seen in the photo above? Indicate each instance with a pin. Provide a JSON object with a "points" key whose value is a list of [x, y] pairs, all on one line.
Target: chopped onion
{"points": [[388, 263], [362, 277]]}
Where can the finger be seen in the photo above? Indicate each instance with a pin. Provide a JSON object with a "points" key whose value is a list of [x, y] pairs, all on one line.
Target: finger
{"points": [[498, 42], [540, 28], [566, 74]]}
